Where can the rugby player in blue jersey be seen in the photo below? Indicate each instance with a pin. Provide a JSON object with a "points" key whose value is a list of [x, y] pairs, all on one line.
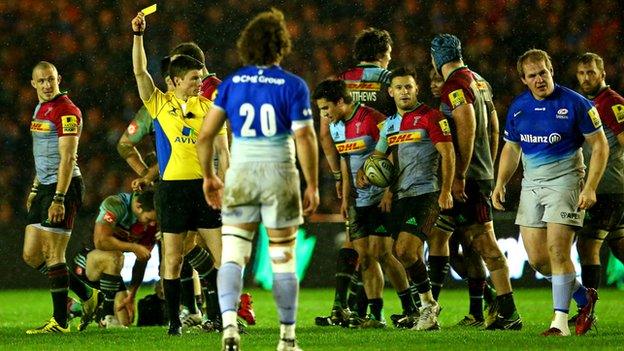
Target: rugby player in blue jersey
{"points": [[547, 125], [269, 112]]}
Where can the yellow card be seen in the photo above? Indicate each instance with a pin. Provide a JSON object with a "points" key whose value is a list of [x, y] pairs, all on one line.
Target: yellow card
{"points": [[149, 10]]}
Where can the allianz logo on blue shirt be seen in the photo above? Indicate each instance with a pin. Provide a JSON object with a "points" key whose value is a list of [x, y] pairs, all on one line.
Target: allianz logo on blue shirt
{"points": [[541, 139]]}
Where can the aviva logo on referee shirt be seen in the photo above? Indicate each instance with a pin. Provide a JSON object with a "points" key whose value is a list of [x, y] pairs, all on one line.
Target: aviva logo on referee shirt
{"points": [[189, 136]]}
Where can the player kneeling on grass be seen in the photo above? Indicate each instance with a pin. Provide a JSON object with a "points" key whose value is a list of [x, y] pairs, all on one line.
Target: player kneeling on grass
{"points": [[354, 129], [416, 136], [126, 223]]}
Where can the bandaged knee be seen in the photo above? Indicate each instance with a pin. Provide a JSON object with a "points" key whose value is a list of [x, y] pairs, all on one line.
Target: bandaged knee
{"points": [[282, 259], [236, 244]]}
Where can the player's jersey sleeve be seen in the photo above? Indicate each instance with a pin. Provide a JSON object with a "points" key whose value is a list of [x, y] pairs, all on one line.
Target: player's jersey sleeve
{"points": [[155, 103], [438, 128], [510, 132], [589, 120], [455, 94], [68, 121], [140, 126], [382, 143], [220, 95], [300, 112], [112, 211], [613, 115]]}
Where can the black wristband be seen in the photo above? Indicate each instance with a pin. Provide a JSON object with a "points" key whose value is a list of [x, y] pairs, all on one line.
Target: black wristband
{"points": [[59, 198], [138, 33]]}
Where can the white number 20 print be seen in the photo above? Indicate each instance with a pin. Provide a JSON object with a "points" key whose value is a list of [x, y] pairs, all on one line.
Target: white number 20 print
{"points": [[267, 120]]}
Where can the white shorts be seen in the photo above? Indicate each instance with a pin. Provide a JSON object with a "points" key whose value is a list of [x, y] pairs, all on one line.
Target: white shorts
{"points": [[541, 205], [262, 192]]}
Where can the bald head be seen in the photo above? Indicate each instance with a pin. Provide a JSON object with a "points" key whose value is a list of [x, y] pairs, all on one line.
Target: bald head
{"points": [[46, 80]]}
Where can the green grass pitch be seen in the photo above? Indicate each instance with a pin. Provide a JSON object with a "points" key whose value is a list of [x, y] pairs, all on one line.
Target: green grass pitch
{"points": [[22, 309]]}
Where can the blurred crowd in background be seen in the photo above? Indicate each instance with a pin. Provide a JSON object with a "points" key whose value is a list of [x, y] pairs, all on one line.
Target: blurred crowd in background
{"points": [[90, 42]]}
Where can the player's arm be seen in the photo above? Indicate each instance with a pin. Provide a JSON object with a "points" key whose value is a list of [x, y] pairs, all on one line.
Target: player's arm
{"points": [[139, 60], [597, 164], [307, 154], [104, 239], [222, 150], [138, 272], [331, 154], [33, 192], [213, 122], [466, 124], [68, 151], [447, 153], [346, 188], [494, 130], [128, 151], [509, 159]]}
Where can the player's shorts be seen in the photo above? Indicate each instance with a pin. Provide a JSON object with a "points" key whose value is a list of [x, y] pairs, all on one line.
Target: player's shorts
{"points": [[541, 205], [604, 219], [38, 214], [262, 192], [368, 221], [181, 206], [78, 267], [478, 207], [415, 214]]}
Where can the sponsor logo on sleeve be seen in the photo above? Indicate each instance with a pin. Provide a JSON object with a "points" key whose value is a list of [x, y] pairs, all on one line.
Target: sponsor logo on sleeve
{"points": [[109, 217], [595, 117], [444, 125], [69, 124], [132, 128], [457, 98], [618, 111]]}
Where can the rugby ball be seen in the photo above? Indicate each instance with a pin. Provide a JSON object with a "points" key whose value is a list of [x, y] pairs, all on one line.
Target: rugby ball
{"points": [[379, 170]]}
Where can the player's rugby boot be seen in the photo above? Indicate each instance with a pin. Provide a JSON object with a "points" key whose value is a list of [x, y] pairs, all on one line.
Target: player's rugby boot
{"points": [[231, 339], [370, 322], [245, 309], [51, 326], [514, 322], [586, 317], [428, 319], [288, 345], [339, 316], [89, 307], [470, 321], [552, 331]]}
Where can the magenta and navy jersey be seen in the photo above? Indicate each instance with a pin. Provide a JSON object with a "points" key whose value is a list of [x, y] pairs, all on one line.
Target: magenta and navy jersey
{"points": [[550, 133], [52, 120], [412, 138], [610, 106], [369, 84], [355, 138], [264, 106], [461, 87]]}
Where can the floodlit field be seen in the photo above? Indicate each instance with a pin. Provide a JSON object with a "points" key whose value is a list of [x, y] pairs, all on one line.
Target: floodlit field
{"points": [[22, 309]]}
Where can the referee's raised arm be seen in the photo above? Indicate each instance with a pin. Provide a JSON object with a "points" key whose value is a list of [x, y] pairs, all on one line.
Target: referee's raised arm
{"points": [[139, 59]]}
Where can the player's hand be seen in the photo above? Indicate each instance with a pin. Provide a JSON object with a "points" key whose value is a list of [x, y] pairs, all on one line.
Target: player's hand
{"points": [[141, 252], [138, 22], [445, 200], [140, 184], [213, 191], [587, 199], [386, 201], [361, 180], [498, 197], [56, 212], [339, 189], [29, 200], [127, 304], [344, 209], [459, 190], [311, 200]]}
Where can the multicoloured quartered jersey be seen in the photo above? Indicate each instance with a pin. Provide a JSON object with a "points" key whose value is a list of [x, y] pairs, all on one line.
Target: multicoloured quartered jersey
{"points": [[368, 84], [355, 138], [140, 126], [264, 106], [610, 106], [466, 87], [177, 124], [52, 120], [116, 211], [412, 138], [550, 133], [209, 86]]}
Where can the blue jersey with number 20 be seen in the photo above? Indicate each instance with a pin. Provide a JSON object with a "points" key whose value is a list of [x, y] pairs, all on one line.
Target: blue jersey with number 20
{"points": [[264, 105]]}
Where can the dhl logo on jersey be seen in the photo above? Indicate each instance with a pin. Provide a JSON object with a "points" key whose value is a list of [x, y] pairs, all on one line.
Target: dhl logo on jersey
{"points": [[39, 126], [351, 146], [404, 137], [363, 86]]}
